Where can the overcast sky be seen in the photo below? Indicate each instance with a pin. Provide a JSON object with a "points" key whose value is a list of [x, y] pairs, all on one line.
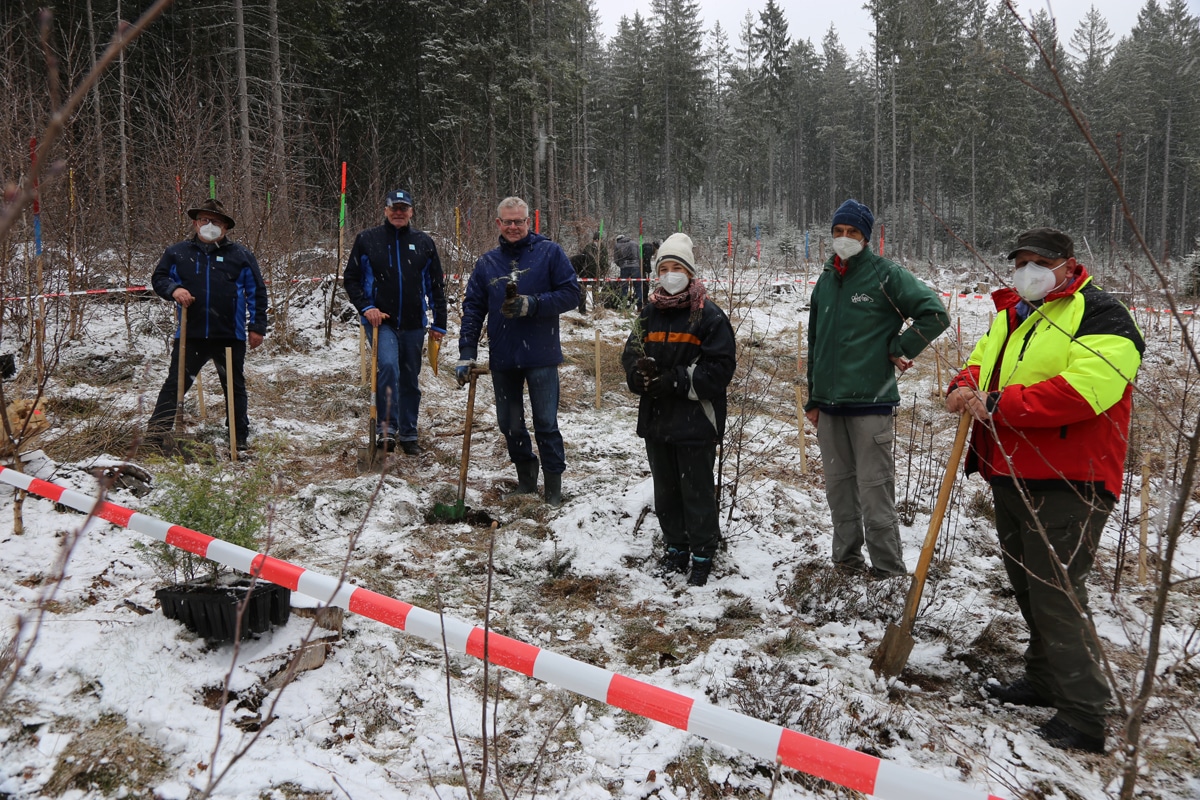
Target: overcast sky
{"points": [[810, 19]]}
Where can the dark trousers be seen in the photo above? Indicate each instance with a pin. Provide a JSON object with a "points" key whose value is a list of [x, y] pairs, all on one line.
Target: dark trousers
{"points": [[509, 385], [199, 353], [1062, 659], [684, 498]]}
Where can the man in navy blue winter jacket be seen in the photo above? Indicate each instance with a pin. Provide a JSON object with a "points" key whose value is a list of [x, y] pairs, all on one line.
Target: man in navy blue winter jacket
{"points": [[394, 279], [219, 283], [521, 287]]}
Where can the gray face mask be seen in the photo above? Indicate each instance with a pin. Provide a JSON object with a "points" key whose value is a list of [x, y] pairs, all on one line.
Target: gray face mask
{"points": [[1033, 281]]}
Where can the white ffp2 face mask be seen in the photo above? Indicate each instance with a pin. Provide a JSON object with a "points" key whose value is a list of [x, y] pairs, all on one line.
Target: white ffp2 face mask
{"points": [[846, 247], [209, 232], [1033, 281], [673, 282]]}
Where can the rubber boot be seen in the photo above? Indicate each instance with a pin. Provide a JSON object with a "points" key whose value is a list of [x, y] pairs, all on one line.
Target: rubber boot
{"points": [[526, 478], [553, 489]]}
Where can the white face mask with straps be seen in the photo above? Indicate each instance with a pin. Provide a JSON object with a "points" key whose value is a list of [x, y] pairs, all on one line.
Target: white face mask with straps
{"points": [[1033, 281], [209, 232], [673, 282], [846, 247]]}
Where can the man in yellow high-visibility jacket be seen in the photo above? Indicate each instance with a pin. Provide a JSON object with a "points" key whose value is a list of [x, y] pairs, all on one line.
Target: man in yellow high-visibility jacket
{"points": [[1050, 388]]}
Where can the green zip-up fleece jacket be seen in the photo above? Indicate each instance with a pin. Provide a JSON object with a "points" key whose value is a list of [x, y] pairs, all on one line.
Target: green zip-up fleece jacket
{"points": [[854, 326]]}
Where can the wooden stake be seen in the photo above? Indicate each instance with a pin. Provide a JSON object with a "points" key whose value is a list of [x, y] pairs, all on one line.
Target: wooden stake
{"points": [[362, 356], [1145, 526], [597, 368], [200, 397], [800, 429], [229, 403]]}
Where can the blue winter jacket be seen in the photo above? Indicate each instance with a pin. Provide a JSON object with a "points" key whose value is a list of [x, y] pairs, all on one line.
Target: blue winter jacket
{"points": [[398, 271], [543, 273], [231, 297]]}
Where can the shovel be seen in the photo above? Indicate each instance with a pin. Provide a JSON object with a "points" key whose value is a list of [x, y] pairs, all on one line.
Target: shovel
{"points": [[368, 460], [174, 441], [457, 511], [897, 644]]}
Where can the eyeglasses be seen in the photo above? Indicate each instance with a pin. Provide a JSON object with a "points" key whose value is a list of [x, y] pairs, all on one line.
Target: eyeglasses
{"points": [[398, 207], [513, 223]]}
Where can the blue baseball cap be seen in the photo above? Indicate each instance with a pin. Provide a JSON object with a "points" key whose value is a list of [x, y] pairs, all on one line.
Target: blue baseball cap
{"points": [[399, 197]]}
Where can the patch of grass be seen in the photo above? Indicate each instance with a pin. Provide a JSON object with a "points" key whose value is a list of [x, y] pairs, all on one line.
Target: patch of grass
{"points": [[108, 759], [292, 791], [577, 594], [690, 771], [831, 595], [84, 429]]}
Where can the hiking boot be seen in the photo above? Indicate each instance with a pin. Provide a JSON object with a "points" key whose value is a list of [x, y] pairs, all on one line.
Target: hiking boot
{"points": [[386, 443], [553, 481], [674, 561], [700, 569], [1067, 737], [1019, 693], [527, 472], [410, 448]]}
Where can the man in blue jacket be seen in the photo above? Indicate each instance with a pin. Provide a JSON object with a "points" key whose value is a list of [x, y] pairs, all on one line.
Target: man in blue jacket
{"points": [[219, 283], [394, 278], [521, 287]]}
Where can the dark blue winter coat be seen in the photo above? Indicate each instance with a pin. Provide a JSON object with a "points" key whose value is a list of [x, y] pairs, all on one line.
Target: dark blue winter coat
{"points": [[544, 273], [398, 271], [231, 297]]}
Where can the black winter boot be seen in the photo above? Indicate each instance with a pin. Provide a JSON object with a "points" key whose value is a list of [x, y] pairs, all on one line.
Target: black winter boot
{"points": [[526, 478], [553, 481], [700, 569], [673, 561]]}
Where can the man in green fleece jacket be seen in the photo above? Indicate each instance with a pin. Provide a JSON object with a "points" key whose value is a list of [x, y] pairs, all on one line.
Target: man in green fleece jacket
{"points": [[855, 345]]}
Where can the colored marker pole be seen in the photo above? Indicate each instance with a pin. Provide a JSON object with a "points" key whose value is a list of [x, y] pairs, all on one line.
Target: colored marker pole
{"points": [[881, 232], [39, 325], [806, 246], [601, 228], [212, 187], [537, 220]]}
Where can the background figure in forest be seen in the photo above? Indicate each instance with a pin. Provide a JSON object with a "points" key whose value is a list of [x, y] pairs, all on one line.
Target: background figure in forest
{"points": [[857, 311], [679, 360], [1050, 436], [649, 252], [394, 278], [593, 266], [629, 266], [520, 288], [219, 283]]}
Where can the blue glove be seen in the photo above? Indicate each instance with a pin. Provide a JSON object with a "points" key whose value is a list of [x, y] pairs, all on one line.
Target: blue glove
{"points": [[462, 371], [520, 306]]}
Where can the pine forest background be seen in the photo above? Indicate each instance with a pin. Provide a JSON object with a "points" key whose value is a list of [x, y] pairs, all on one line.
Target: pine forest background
{"points": [[669, 122]]}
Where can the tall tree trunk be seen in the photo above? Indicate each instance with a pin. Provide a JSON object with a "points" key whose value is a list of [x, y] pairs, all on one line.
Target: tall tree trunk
{"points": [[243, 91], [280, 178], [98, 118], [1166, 185]]}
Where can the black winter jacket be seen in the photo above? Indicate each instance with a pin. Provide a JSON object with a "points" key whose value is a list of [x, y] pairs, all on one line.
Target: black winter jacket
{"points": [[231, 297], [398, 271], [702, 356]]}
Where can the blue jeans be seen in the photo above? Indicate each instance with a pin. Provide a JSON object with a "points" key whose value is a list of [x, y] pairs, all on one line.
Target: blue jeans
{"points": [[543, 402], [397, 392]]}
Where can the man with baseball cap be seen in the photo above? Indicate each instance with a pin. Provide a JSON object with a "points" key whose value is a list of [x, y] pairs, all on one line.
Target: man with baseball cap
{"points": [[394, 278], [1050, 388], [220, 284]]}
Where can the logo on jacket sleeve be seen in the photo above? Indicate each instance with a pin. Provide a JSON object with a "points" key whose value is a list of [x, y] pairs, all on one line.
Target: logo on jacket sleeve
{"points": [[862, 298]]}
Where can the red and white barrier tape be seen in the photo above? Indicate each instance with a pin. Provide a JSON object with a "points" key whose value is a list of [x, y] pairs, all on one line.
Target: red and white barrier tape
{"points": [[841, 765]]}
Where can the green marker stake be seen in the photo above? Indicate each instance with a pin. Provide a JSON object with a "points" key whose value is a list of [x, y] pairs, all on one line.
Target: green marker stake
{"points": [[212, 187]]}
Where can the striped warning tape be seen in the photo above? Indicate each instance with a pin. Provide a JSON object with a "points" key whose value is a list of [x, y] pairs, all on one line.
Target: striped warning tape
{"points": [[841, 765]]}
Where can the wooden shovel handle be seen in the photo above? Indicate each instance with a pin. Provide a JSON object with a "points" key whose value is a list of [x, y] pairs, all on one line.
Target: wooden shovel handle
{"points": [[181, 381], [473, 375], [935, 525]]}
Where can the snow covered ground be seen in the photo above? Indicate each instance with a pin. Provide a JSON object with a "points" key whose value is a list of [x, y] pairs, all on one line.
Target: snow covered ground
{"points": [[113, 702]]}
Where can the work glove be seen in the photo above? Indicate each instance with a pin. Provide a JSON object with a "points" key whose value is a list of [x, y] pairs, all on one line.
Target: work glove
{"points": [[462, 371], [661, 385], [521, 305]]}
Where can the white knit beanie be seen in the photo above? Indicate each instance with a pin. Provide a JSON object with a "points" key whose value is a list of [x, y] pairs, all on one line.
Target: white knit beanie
{"points": [[677, 247]]}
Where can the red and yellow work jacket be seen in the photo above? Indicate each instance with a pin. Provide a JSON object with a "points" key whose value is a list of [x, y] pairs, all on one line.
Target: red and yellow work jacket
{"points": [[1060, 381]]}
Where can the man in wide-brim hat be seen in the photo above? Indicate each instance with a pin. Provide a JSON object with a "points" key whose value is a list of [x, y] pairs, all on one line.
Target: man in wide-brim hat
{"points": [[220, 284]]}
